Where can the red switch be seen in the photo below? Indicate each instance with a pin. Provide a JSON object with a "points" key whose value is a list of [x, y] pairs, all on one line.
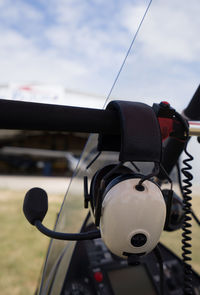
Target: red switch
{"points": [[98, 276], [165, 102]]}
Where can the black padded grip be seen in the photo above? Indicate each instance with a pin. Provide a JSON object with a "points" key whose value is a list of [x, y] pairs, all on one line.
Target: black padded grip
{"points": [[193, 109], [19, 115]]}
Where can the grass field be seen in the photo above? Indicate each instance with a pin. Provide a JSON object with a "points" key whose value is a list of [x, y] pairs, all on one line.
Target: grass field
{"points": [[22, 247]]}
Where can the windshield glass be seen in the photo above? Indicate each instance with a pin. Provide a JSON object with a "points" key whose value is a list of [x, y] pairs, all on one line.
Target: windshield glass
{"points": [[163, 64]]}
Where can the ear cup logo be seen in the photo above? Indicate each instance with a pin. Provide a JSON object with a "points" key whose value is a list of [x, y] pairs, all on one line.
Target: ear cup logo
{"points": [[138, 240]]}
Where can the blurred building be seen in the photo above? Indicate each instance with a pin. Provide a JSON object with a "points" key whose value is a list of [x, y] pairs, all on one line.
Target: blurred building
{"points": [[36, 152]]}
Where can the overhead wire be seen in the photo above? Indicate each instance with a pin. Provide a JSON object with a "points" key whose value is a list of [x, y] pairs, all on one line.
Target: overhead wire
{"points": [[128, 52]]}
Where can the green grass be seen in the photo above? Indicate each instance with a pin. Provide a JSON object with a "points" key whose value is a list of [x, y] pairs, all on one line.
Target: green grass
{"points": [[23, 248]]}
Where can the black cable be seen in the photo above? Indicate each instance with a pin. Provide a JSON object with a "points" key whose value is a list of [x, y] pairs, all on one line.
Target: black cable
{"points": [[186, 227], [179, 177], [181, 190], [93, 160], [135, 166], [164, 172], [95, 234], [195, 217], [154, 173]]}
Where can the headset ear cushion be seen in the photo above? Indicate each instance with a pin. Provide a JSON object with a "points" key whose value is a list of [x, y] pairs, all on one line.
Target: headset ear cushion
{"points": [[99, 175], [96, 183]]}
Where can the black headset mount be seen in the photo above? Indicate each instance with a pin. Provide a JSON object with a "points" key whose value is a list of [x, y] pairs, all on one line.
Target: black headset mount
{"points": [[139, 139]]}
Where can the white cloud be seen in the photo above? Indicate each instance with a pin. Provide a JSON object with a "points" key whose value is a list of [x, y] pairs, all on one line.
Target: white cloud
{"points": [[71, 48], [81, 45], [26, 62], [131, 16], [170, 31]]}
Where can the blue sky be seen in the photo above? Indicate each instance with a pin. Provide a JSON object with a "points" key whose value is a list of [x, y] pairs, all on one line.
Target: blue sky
{"points": [[80, 44], [67, 42]]}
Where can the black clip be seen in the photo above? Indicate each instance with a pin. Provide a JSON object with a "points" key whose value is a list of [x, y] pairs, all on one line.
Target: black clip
{"points": [[87, 197], [140, 137]]}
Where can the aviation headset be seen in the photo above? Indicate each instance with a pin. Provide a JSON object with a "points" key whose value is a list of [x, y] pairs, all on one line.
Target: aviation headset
{"points": [[131, 216], [130, 208]]}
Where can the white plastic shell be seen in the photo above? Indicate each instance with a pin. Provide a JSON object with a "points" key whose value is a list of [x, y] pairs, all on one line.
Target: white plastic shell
{"points": [[127, 211]]}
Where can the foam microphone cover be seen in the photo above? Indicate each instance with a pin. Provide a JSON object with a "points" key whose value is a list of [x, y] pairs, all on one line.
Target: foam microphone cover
{"points": [[35, 204]]}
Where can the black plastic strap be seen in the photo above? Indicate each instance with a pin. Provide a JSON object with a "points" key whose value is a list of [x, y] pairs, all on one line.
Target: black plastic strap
{"points": [[140, 138]]}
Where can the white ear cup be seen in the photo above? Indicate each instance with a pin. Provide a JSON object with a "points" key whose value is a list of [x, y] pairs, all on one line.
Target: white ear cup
{"points": [[132, 220]]}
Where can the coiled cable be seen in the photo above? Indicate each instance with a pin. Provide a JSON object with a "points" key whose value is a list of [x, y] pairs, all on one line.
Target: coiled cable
{"points": [[186, 227], [181, 190]]}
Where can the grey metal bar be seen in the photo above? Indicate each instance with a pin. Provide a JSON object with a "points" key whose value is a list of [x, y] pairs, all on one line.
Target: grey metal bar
{"points": [[194, 128]]}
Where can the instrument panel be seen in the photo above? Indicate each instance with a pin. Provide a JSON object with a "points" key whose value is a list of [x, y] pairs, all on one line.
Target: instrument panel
{"points": [[95, 270]]}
